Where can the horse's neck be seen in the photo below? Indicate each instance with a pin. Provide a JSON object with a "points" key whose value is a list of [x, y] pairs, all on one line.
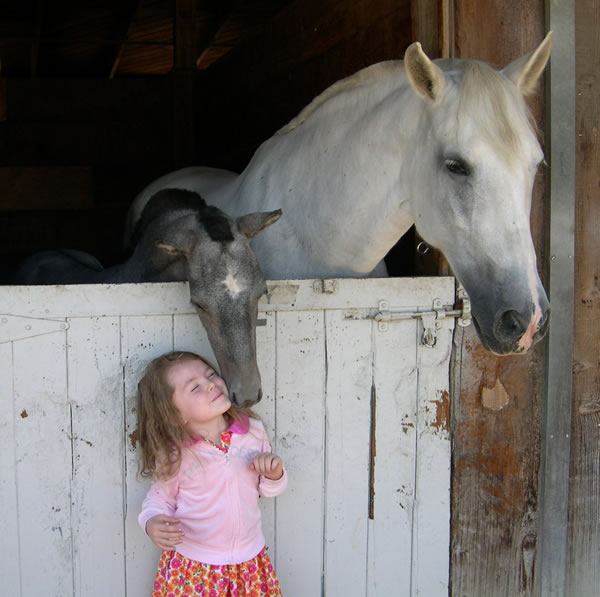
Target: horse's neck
{"points": [[341, 167]]}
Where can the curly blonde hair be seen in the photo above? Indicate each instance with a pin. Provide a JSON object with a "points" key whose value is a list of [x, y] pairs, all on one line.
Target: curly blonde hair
{"points": [[161, 430]]}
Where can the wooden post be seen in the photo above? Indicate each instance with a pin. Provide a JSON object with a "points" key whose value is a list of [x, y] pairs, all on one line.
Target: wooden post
{"points": [[583, 572]]}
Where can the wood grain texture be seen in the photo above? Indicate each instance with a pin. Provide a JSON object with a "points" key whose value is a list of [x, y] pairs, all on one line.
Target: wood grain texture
{"points": [[584, 517]]}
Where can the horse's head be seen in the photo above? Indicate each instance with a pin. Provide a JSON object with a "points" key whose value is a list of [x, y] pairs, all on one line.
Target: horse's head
{"points": [[475, 182], [226, 284]]}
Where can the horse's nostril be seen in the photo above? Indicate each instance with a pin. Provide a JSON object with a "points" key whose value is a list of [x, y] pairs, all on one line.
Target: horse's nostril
{"points": [[510, 326], [543, 325], [258, 399]]}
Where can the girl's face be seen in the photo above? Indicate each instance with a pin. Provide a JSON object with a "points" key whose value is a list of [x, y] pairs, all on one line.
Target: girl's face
{"points": [[200, 395]]}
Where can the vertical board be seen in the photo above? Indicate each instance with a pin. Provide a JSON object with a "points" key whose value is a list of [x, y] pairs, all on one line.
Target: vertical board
{"points": [[267, 365], [9, 524], [583, 572], [431, 516], [43, 465], [300, 428], [96, 399], [142, 339], [348, 417], [390, 531]]}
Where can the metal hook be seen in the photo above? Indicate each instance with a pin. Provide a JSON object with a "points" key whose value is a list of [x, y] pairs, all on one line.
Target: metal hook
{"points": [[421, 250]]}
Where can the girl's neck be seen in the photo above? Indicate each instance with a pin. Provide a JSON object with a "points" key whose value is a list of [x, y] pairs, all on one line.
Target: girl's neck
{"points": [[211, 430]]}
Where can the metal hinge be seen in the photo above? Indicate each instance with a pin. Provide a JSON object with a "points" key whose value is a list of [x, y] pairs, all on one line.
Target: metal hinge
{"points": [[14, 327], [432, 319]]}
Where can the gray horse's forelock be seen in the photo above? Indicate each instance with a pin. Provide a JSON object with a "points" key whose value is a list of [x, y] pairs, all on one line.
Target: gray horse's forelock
{"points": [[497, 106], [215, 223]]}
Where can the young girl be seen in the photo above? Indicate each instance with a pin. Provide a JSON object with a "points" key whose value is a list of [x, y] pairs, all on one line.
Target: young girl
{"points": [[209, 463]]}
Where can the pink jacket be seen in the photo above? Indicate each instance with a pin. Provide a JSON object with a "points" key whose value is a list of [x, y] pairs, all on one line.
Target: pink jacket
{"points": [[215, 496]]}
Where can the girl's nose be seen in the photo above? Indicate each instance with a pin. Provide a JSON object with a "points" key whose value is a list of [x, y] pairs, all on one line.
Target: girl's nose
{"points": [[211, 386]]}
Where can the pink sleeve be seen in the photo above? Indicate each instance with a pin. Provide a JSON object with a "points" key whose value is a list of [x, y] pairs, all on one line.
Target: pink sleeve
{"points": [[160, 499], [268, 487]]}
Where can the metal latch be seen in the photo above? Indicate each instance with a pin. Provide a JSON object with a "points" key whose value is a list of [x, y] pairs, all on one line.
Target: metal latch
{"points": [[432, 319]]}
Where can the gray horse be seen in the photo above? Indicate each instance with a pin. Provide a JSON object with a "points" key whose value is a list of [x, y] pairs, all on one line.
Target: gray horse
{"points": [[180, 238]]}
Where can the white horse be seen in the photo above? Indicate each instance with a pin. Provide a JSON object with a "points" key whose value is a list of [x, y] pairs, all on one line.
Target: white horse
{"points": [[448, 145]]}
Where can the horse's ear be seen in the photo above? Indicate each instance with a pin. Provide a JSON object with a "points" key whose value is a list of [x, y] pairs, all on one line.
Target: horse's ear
{"points": [[251, 224], [172, 249], [525, 71], [426, 78]]}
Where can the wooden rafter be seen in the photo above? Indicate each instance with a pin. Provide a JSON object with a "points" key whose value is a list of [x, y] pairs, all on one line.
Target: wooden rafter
{"points": [[130, 15]]}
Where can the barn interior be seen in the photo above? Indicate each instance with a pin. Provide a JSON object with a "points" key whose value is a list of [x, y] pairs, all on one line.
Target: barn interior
{"points": [[100, 97]]}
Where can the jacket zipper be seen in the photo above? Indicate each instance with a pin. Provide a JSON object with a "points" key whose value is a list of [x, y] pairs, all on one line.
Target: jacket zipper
{"points": [[234, 508]]}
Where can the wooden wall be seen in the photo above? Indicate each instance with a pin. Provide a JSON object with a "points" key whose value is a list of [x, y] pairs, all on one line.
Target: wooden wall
{"points": [[583, 575]]}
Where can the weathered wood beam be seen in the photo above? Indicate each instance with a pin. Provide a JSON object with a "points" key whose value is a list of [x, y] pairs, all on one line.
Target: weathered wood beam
{"points": [[432, 26], [583, 572], [125, 28], [553, 517]]}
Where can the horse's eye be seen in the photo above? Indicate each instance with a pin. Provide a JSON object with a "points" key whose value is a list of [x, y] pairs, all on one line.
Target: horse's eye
{"points": [[457, 167]]}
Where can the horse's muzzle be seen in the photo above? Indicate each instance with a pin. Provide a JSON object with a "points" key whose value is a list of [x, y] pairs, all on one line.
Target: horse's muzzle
{"points": [[245, 402]]}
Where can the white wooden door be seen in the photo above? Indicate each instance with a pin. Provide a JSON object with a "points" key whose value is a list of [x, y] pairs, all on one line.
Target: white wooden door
{"points": [[357, 409]]}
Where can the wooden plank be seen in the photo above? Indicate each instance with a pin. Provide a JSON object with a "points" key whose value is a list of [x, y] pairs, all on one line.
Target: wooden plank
{"points": [[173, 298], [96, 398], [390, 530], [188, 334], [300, 421], [427, 26], [583, 572], [27, 188], [495, 401], [347, 463], [266, 409], [142, 339], [43, 465], [551, 564], [9, 524], [431, 515]]}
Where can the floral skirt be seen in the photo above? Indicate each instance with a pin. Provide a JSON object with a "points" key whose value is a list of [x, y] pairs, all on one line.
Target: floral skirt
{"points": [[178, 576]]}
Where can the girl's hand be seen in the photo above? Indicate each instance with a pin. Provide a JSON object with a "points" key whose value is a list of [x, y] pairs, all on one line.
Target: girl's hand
{"points": [[269, 465], [164, 532]]}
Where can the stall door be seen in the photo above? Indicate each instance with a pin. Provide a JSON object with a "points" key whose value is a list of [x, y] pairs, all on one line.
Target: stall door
{"points": [[355, 386]]}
